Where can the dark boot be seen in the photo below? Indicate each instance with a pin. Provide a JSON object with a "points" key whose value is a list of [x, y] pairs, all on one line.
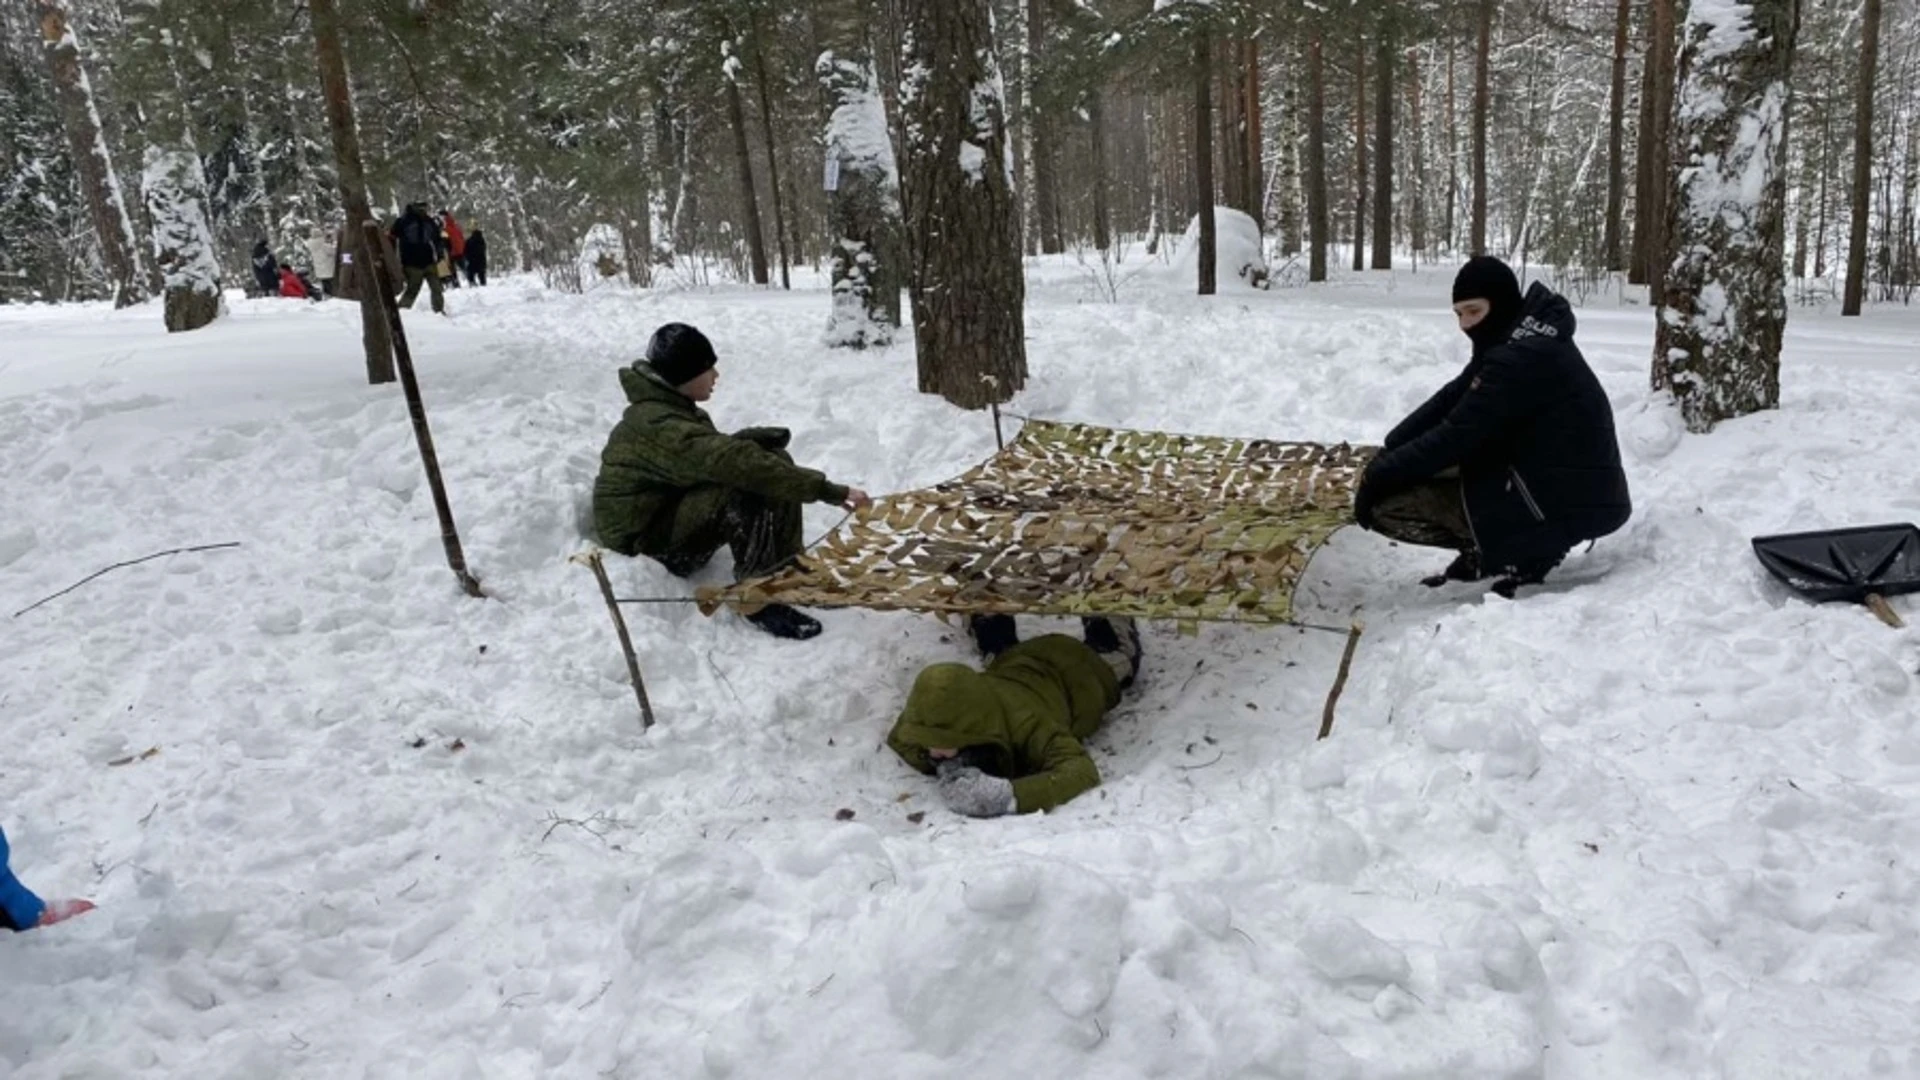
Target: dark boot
{"points": [[785, 622], [1530, 574], [993, 634], [1464, 567], [1117, 639]]}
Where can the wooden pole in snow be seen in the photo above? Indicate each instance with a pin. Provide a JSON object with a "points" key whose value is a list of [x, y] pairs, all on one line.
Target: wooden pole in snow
{"points": [[593, 562], [1340, 680], [449, 536]]}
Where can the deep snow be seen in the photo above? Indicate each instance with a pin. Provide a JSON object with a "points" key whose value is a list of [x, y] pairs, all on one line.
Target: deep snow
{"points": [[1654, 820]]}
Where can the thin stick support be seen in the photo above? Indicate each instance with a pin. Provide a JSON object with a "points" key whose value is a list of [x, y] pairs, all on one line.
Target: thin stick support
{"points": [[593, 561], [449, 536], [1340, 680], [118, 565]]}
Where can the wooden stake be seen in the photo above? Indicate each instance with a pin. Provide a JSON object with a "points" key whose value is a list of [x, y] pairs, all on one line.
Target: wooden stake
{"points": [[1879, 606], [1340, 680], [593, 562], [449, 536]]}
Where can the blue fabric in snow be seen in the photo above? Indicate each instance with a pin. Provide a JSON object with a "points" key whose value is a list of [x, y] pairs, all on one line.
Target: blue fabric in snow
{"points": [[19, 908]]}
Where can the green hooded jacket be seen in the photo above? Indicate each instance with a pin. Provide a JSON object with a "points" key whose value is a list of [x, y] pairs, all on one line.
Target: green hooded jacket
{"points": [[664, 447], [1030, 709]]}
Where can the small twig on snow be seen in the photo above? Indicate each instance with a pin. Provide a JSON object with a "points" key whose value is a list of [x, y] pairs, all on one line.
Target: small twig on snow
{"points": [[118, 565]]}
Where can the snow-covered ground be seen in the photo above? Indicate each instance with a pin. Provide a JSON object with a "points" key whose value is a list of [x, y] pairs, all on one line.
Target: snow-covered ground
{"points": [[1658, 819]]}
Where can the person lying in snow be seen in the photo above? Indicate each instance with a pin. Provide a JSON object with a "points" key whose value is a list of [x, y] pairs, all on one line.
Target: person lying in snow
{"points": [[673, 487], [1007, 740], [1513, 462], [21, 910]]}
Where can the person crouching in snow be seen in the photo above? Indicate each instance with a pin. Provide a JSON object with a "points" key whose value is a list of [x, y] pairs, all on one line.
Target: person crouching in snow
{"points": [[1513, 462], [1007, 740], [21, 910], [673, 487]]}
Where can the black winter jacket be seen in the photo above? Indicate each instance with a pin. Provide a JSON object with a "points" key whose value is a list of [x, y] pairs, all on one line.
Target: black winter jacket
{"points": [[477, 252], [1531, 431], [266, 269], [415, 234]]}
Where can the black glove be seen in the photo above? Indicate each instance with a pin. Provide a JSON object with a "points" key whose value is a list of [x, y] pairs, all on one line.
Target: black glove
{"points": [[767, 438]]}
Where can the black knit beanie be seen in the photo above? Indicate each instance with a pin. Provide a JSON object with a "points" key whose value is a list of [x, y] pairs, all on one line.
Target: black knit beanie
{"points": [[680, 354], [1487, 278]]}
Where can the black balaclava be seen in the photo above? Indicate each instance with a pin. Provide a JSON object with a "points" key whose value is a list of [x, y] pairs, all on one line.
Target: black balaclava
{"points": [[1487, 278], [680, 354]]}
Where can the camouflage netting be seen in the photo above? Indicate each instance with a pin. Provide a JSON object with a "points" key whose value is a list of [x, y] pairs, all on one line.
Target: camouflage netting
{"points": [[1073, 520]]}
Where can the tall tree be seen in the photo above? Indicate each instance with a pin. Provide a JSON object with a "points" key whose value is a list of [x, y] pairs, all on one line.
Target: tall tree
{"points": [[967, 281], [1723, 308], [1482, 104], [867, 251], [1862, 192], [173, 182], [1040, 122], [749, 199], [762, 81], [1655, 179], [1359, 150], [1383, 144], [1317, 225], [375, 336], [106, 205], [1616, 127], [1203, 161], [1417, 216]]}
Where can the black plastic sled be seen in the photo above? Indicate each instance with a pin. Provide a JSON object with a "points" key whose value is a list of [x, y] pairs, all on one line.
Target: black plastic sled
{"points": [[1861, 565]]}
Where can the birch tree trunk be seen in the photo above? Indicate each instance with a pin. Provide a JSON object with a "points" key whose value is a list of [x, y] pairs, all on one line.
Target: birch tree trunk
{"points": [[106, 204], [967, 280], [867, 251], [1856, 289], [1723, 308], [1317, 237]]}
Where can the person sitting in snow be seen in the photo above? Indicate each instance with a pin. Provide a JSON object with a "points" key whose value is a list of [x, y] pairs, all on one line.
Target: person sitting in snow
{"points": [[21, 910], [673, 487], [291, 285], [1513, 462], [1007, 740]]}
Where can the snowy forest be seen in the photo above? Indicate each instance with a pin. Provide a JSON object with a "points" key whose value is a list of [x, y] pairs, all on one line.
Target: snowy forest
{"points": [[1367, 130]]}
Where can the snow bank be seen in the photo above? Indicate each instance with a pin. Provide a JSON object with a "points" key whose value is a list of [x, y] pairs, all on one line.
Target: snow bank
{"points": [[1239, 257]]}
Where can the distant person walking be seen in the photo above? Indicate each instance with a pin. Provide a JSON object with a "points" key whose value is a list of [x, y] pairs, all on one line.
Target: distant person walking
{"points": [[324, 255], [476, 261], [416, 234]]}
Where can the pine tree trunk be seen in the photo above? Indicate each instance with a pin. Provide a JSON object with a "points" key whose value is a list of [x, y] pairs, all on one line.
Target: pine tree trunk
{"points": [[1317, 232], [1616, 143], [1723, 305], [375, 337], [749, 198], [1383, 148], [1203, 162], [1482, 102], [173, 181], [100, 184], [1097, 129], [1360, 152], [1651, 243], [1856, 289], [968, 282], [868, 264], [1046, 189], [773, 154]]}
